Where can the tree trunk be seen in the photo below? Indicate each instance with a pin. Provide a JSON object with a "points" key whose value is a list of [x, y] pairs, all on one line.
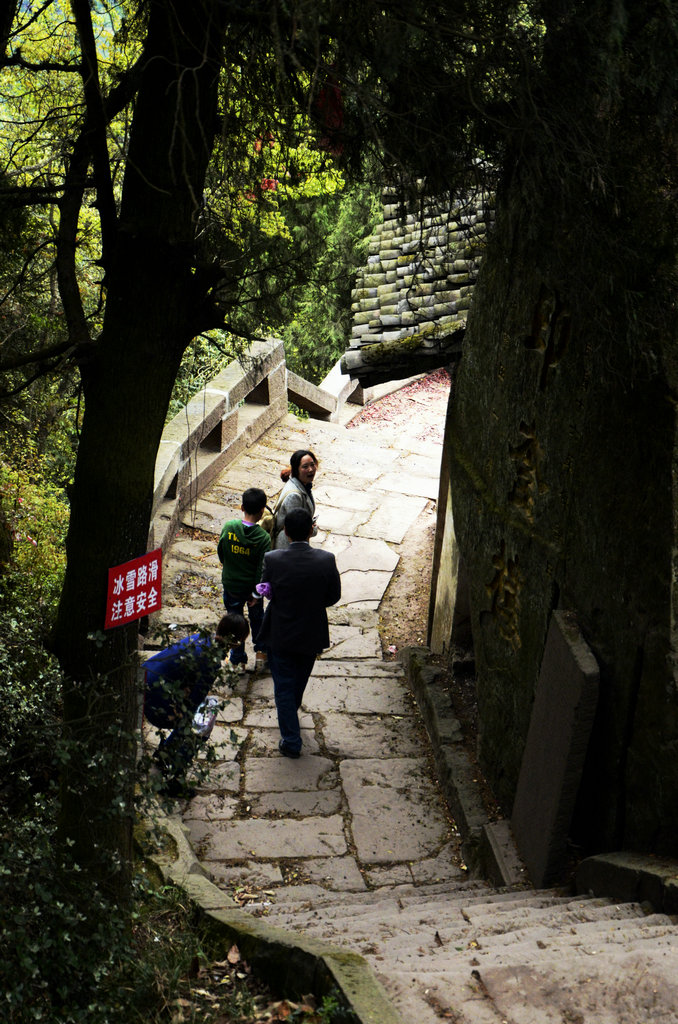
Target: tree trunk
{"points": [[127, 381]]}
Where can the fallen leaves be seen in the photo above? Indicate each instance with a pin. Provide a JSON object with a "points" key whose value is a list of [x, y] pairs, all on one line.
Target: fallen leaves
{"points": [[243, 896], [429, 393], [226, 993]]}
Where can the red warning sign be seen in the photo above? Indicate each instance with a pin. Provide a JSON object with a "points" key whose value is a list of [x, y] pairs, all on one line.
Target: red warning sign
{"points": [[134, 589]]}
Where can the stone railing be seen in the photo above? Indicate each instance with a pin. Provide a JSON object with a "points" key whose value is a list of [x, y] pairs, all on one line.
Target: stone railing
{"points": [[229, 415]]}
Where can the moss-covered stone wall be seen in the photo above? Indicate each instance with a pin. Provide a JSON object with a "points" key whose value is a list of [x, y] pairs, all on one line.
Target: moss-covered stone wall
{"points": [[562, 435], [563, 462]]}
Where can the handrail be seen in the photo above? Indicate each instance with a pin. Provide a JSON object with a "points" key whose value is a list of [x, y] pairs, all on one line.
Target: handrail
{"points": [[229, 415]]}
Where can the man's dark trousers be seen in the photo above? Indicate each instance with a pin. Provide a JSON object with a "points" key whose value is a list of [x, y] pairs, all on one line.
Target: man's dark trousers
{"points": [[290, 674], [304, 582]]}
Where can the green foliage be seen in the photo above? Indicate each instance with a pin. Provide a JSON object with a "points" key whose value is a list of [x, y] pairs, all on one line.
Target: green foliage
{"points": [[67, 956], [35, 519], [54, 949], [324, 240], [33, 524], [318, 324], [36, 514], [41, 928], [38, 120], [37, 409]]}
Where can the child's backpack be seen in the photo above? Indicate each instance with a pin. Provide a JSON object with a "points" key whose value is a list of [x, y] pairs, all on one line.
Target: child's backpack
{"points": [[267, 522]]}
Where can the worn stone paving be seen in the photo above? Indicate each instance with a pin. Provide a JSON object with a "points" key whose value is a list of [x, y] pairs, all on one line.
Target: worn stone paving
{"points": [[361, 807], [353, 843]]}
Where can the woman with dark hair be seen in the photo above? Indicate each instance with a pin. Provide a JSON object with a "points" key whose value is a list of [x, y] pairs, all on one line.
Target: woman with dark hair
{"points": [[297, 493]]}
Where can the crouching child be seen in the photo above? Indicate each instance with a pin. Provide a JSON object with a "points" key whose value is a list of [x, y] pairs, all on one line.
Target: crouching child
{"points": [[177, 681]]}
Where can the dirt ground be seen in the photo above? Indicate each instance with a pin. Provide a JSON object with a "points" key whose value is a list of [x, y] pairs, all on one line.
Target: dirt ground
{"points": [[415, 411]]}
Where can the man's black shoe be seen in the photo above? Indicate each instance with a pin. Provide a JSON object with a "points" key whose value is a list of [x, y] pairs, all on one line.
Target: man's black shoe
{"points": [[178, 789], [286, 752]]}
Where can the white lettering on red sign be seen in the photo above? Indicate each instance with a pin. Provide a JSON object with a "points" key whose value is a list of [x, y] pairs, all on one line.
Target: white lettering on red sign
{"points": [[134, 589]]}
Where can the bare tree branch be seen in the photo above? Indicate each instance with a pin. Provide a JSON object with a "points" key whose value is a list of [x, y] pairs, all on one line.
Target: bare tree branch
{"points": [[29, 358], [94, 135], [17, 61], [13, 7]]}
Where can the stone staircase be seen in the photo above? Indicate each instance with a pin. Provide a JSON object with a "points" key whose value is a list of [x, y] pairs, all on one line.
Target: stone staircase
{"points": [[471, 954], [352, 846]]}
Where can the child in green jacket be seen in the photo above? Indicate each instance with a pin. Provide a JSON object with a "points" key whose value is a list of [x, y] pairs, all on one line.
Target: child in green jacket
{"points": [[241, 549]]}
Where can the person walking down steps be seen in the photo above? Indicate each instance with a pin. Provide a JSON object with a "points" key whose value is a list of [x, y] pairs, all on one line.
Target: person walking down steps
{"points": [[301, 582], [241, 549]]}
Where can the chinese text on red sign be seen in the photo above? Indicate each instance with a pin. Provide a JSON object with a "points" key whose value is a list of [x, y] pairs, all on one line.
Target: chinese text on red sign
{"points": [[134, 589]]}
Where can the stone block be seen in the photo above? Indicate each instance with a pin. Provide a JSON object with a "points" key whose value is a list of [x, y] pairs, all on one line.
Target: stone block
{"points": [[167, 464], [367, 694], [450, 613], [555, 749], [317, 402], [239, 378], [360, 319], [340, 874], [229, 429], [498, 855], [365, 736], [632, 878], [277, 382], [311, 804], [380, 793], [358, 588], [312, 837], [196, 420]]}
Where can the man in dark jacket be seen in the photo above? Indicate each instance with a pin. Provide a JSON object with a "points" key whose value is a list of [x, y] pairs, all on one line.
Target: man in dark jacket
{"points": [[303, 582]]}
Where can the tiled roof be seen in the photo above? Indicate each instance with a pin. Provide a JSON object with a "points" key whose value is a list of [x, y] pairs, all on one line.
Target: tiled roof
{"points": [[410, 301]]}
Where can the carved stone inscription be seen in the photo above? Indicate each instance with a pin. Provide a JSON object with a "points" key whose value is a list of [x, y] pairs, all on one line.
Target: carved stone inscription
{"points": [[551, 328], [504, 592], [528, 457]]}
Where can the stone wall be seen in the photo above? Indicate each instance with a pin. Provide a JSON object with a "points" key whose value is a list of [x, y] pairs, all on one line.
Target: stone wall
{"points": [[411, 301], [562, 457]]}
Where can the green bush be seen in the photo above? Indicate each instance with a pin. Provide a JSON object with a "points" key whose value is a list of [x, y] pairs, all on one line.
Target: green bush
{"points": [[30, 581], [66, 956], [52, 952]]}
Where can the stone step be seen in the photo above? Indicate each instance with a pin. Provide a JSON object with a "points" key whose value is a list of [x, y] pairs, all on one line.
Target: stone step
{"points": [[427, 1002], [545, 944], [619, 988], [440, 923], [478, 956], [295, 899], [469, 893]]}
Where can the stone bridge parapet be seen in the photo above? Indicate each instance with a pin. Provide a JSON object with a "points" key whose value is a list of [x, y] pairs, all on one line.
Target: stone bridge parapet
{"points": [[229, 415]]}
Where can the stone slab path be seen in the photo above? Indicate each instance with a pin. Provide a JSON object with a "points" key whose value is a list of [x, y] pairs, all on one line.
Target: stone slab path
{"points": [[361, 807], [353, 843]]}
